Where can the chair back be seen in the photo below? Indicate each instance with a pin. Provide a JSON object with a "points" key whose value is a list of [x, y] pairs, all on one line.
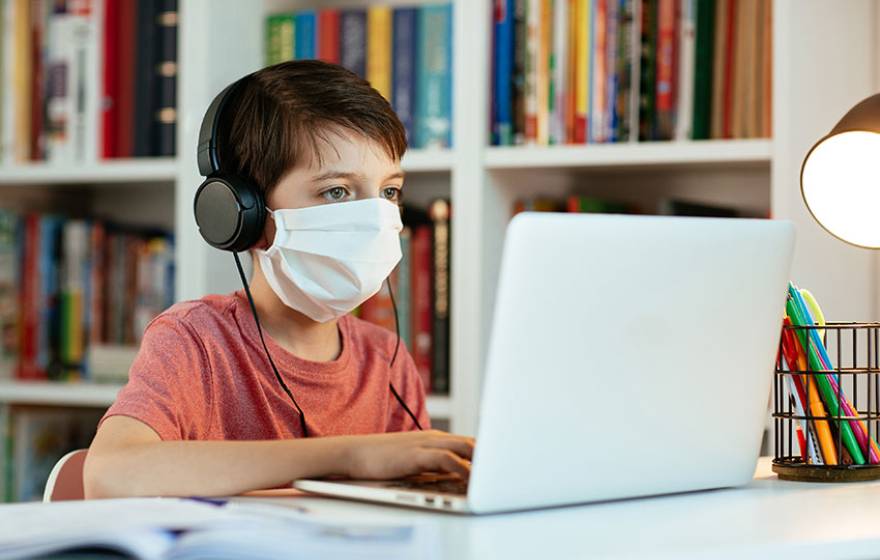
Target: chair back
{"points": [[65, 482]]}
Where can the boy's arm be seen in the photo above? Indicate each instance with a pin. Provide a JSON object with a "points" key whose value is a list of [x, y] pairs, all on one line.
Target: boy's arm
{"points": [[127, 458]]}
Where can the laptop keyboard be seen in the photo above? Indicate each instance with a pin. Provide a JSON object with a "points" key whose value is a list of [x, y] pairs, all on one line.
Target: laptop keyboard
{"points": [[439, 483]]}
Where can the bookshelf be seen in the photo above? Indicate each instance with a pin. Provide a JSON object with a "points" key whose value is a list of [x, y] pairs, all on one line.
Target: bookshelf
{"points": [[482, 181]]}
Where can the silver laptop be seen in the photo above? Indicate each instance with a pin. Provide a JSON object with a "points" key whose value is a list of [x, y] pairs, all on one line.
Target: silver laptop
{"points": [[629, 356]]}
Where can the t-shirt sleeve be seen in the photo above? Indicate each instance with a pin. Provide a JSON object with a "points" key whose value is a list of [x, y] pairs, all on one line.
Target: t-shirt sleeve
{"points": [[169, 383], [409, 385]]}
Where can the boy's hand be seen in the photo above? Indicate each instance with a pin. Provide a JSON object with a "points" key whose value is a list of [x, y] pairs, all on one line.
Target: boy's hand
{"points": [[395, 455]]}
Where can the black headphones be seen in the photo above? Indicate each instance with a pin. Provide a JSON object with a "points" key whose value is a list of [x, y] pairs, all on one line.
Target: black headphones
{"points": [[231, 214], [230, 210]]}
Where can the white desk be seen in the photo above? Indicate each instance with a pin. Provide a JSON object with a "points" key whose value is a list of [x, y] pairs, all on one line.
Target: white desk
{"points": [[768, 518]]}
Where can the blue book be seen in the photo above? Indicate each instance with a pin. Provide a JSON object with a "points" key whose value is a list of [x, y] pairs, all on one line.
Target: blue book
{"points": [[304, 35], [403, 73], [502, 133], [434, 112], [49, 332], [353, 41]]}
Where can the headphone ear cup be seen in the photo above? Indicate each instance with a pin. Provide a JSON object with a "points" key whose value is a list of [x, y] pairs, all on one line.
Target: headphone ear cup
{"points": [[230, 212]]}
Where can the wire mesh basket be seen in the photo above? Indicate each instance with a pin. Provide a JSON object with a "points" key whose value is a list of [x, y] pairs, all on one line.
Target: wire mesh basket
{"points": [[827, 418]]}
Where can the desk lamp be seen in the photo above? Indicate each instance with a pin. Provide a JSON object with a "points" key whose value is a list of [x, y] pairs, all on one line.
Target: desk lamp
{"points": [[840, 177]]}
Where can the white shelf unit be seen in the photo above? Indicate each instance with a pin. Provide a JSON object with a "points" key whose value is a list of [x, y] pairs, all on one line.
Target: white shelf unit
{"points": [[483, 181]]}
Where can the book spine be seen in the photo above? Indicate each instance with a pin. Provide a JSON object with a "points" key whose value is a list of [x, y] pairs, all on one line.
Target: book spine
{"points": [[559, 74], [520, 40], [110, 79], [39, 16], [353, 49], [727, 93], [502, 133], [422, 308], [21, 79], [97, 273], [611, 84], [165, 114], [703, 55], [647, 85], [145, 77], [582, 69], [328, 35], [569, 96], [544, 71], [10, 236], [533, 31], [304, 35], [272, 43], [7, 112], [404, 288], [48, 356], [687, 54], [125, 74], [767, 71], [621, 123], [434, 114], [59, 100], [599, 72], [89, 90], [287, 37], [30, 286], [439, 213], [635, 42], [403, 97], [665, 79], [379, 49]]}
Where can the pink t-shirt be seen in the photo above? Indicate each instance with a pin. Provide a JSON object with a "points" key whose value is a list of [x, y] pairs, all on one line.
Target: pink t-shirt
{"points": [[202, 374]]}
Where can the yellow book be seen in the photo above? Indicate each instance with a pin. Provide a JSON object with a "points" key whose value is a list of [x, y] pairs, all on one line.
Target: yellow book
{"points": [[581, 68], [21, 79], [379, 49], [286, 38]]}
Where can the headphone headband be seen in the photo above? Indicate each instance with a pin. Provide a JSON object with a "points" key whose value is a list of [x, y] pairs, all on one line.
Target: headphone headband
{"points": [[208, 150]]}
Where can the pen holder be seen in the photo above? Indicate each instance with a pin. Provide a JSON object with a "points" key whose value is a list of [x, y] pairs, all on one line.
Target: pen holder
{"points": [[825, 440]]}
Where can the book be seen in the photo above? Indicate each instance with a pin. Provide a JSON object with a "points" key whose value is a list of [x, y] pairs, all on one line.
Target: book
{"points": [[612, 17], [126, 76], [569, 95], [110, 81], [304, 35], [404, 288], [166, 69], [622, 100], [422, 296], [647, 65], [22, 71], [582, 70], [542, 81], [767, 71], [146, 60], [532, 54], [7, 96], [39, 15], [503, 52], [379, 49], [703, 72], [598, 72], [10, 245], [559, 66], [434, 113], [272, 47], [520, 40], [353, 31], [666, 58], [728, 67], [439, 212], [328, 35], [679, 207], [404, 78], [686, 59]]}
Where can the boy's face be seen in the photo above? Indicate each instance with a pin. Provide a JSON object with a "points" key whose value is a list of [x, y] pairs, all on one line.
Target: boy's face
{"points": [[352, 168]]}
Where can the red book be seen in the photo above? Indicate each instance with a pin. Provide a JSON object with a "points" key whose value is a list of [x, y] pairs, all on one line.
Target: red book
{"points": [[126, 63], [421, 291], [28, 367], [37, 85], [328, 36], [727, 99], [667, 55], [110, 79]]}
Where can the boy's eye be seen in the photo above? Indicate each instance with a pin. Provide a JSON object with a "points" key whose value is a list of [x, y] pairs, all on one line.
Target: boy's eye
{"points": [[335, 194], [391, 193]]}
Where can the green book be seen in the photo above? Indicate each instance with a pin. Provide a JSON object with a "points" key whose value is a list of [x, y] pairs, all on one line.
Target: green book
{"points": [[648, 80], [705, 41]]}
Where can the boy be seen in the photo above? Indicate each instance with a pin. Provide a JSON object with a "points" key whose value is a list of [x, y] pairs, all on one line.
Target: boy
{"points": [[203, 413]]}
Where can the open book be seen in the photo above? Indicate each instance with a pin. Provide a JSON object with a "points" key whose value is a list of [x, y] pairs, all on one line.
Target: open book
{"points": [[181, 529]]}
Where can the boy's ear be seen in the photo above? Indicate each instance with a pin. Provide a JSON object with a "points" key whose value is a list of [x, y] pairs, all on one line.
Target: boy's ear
{"points": [[265, 240]]}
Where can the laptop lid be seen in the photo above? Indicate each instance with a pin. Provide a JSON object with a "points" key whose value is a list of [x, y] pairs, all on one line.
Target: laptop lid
{"points": [[629, 356]]}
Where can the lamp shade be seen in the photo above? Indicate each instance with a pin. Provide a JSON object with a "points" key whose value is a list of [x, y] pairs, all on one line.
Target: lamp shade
{"points": [[840, 177]]}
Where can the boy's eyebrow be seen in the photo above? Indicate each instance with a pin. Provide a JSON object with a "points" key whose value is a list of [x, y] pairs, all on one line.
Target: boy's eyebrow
{"points": [[350, 175]]}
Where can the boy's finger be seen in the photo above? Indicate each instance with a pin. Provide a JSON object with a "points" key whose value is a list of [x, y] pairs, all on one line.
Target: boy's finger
{"points": [[444, 460], [462, 446]]}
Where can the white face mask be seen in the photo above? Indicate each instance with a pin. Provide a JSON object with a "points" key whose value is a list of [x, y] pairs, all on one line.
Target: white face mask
{"points": [[328, 259]]}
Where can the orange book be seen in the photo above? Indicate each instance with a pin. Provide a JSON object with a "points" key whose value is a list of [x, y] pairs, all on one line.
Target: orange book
{"points": [[718, 58], [767, 67], [543, 73], [21, 78], [582, 70], [571, 73]]}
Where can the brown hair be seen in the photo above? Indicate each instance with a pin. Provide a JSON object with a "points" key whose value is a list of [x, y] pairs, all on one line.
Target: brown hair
{"points": [[281, 113]]}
